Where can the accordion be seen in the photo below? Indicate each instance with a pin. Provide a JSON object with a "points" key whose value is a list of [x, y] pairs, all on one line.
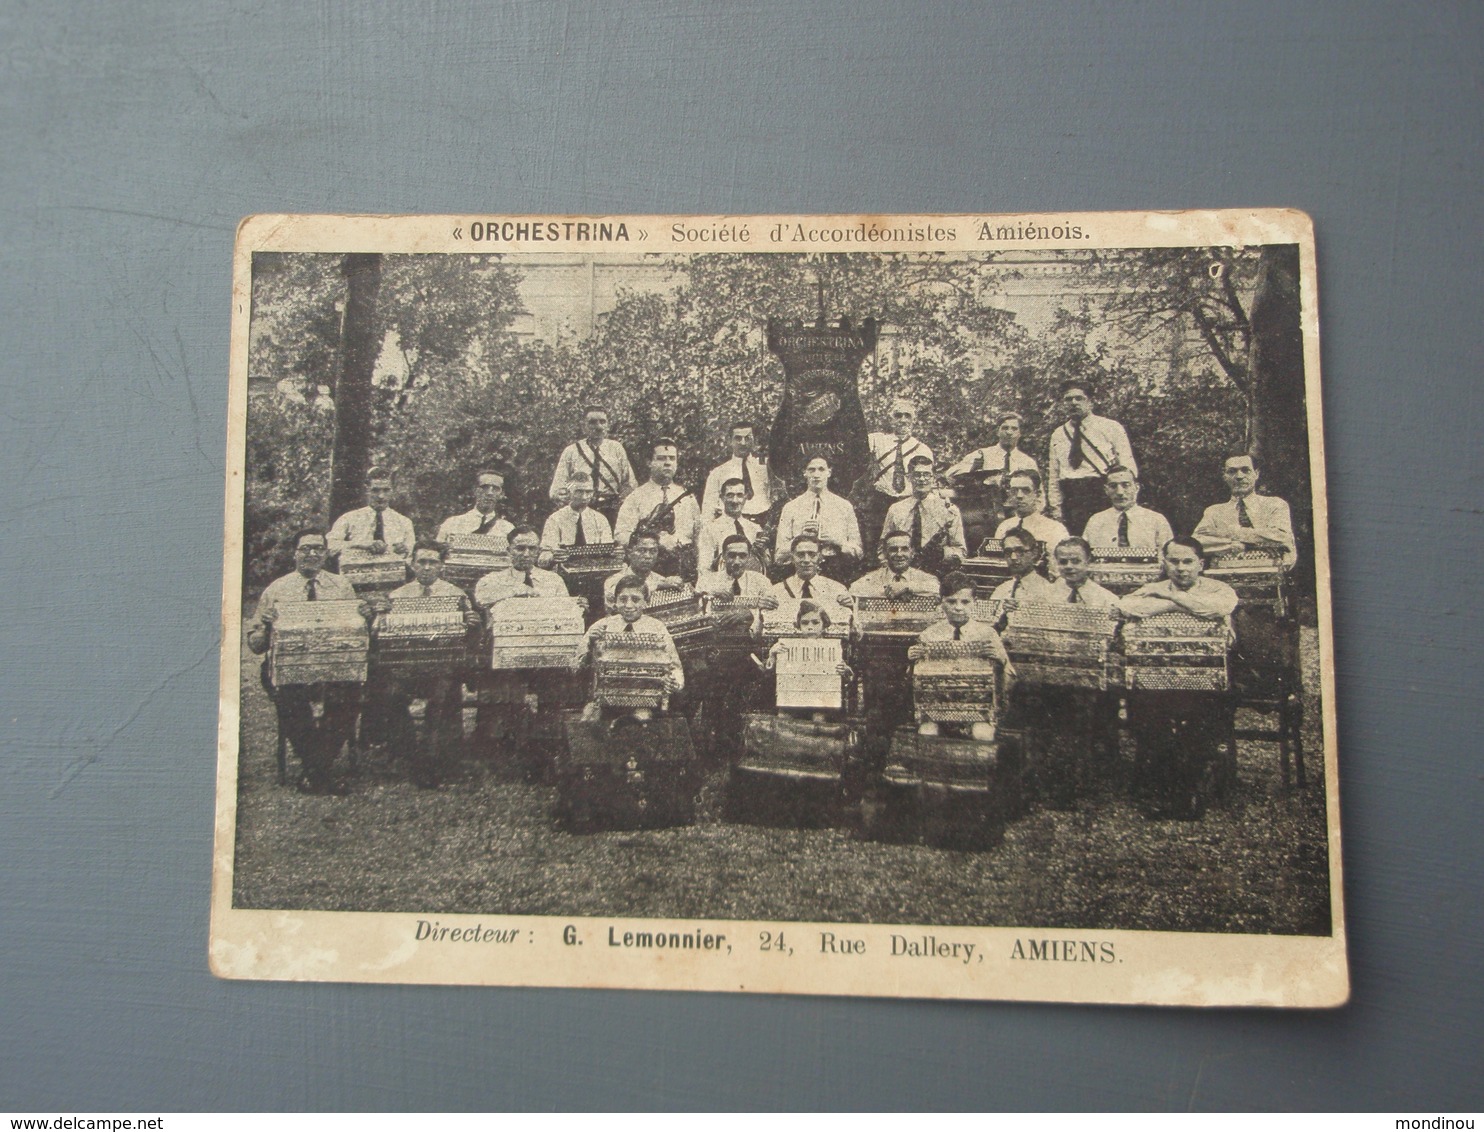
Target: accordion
{"points": [[1175, 652], [805, 667], [596, 558], [319, 642], [988, 568], [422, 634], [369, 572], [896, 617], [629, 670], [535, 632], [686, 614], [1066, 645], [1123, 569], [954, 684], [471, 557], [789, 747], [1257, 574]]}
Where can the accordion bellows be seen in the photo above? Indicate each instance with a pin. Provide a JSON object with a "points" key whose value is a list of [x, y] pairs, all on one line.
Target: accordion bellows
{"points": [[471, 557], [1064, 645], [422, 634], [1175, 652], [372, 571], [535, 632], [319, 642], [953, 684], [630, 670]]}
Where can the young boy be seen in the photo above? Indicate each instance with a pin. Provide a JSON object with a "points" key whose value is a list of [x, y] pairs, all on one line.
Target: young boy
{"points": [[957, 592], [631, 600]]}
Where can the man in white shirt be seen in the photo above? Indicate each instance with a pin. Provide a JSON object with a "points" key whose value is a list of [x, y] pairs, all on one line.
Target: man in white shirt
{"points": [[1247, 519], [934, 525], [604, 460], [898, 579], [485, 518], [1081, 452], [434, 755], [1126, 524], [665, 507], [891, 453], [640, 555], [749, 469], [989, 467], [576, 523], [523, 578], [1025, 498], [826, 517], [373, 530], [1177, 732], [1075, 586], [732, 522], [316, 742], [806, 581], [1022, 555]]}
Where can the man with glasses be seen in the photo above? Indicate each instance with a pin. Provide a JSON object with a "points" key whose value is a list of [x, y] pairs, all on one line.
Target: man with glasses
{"points": [[1022, 556], [317, 742], [933, 524], [1082, 451], [603, 460], [1247, 519]]}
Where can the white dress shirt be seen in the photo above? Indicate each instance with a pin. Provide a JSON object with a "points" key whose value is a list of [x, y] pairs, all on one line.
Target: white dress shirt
{"points": [[1146, 528], [500, 584], [884, 447], [836, 518], [355, 529], [648, 498], [757, 505], [1088, 593], [937, 515], [1104, 444], [608, 467], [469, 523], [713, 533], [874, 584], [1269, 516], [561, 528]]}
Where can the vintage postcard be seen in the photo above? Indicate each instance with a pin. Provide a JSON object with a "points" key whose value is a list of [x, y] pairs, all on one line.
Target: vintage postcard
{"points": [[922, 606]]}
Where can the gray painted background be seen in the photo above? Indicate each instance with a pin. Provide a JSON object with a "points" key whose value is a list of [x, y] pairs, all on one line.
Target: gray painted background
{"points": [[134, 136]]}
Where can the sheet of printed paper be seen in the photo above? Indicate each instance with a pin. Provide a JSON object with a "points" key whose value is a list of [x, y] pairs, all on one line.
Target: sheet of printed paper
{"points": [[1085, 745]]}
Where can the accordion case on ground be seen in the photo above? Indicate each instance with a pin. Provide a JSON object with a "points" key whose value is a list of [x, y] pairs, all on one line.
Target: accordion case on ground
{"points": [[618, 862]]}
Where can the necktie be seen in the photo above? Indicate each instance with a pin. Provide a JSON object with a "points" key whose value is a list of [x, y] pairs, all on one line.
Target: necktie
{"points": [[427, 591], [1073, 598], [669, 524], [528, 580], [581, 539], [1243, 519], [736, 587], [311, 591], [379, 535], [746, 481], [898, 578], [805, 591], [1076, 457], [917, 525], [958, 632], [1123, 528], [628, 627], [487, 522], [740, 531], [899, 472]]}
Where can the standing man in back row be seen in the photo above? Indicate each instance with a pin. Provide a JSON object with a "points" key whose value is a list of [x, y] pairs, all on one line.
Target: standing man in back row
{"points": [[485, 519], [604, 461], [1082, 451], [891, 457], [757, 494]]}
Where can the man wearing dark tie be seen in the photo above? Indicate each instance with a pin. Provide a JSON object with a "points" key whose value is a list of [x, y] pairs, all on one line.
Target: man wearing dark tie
{"points": [[1126, 524], [375, 529], [731, 522], [898, 579], [1022, 555], [891, 455], [1081, 452], [933, 524], [604, 460], [1025, 499], [1247, 520], [575, 524], [666, 508], [485, 518], [316, 742], [806, 581], [757, 486]]}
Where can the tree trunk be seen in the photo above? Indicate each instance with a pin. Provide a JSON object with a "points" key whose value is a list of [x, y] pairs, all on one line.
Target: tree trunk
{"points": [[351, 456], [1279, 432]]}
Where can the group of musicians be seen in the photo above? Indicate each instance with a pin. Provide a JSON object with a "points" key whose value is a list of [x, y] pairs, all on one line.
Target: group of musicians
{"points": [[742, 542]]}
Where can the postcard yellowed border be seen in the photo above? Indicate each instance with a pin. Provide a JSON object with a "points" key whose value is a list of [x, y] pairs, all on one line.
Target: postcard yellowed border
{"points": [[1136, 967]]}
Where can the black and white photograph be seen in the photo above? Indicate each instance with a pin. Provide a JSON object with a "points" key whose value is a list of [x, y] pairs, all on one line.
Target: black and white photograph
{"points": [[920, 605]]}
